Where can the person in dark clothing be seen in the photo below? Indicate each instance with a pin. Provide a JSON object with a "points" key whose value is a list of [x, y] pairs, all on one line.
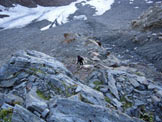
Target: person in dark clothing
{"points": [[80, 60]]}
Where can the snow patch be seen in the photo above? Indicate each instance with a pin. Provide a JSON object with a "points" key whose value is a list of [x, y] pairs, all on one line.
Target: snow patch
{"points": [[131, 1], [136, 7], [101, 6], [149, 1], [80, 17]]}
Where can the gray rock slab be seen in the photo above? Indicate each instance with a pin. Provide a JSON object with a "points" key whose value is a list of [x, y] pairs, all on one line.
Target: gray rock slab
{"points": [[33, 103], [21, 114], [66, 110]]}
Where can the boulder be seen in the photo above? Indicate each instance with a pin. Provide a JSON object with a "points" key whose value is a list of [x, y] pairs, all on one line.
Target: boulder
{"points": [[13, 99], [33, 103], [1, 99], [21, 114], [66, 110]]}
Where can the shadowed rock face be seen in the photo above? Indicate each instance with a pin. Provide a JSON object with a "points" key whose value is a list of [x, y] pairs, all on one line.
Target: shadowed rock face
{"points": [[34, 3], [150, 19]]}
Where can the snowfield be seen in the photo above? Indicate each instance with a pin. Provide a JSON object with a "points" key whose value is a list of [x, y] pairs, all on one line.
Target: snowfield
{"points": [[20, 16]]}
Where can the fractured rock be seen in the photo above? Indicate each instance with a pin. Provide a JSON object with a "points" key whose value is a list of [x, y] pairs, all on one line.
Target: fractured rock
{"points": [[134, 82], [65, 110], [13, 99], [21, 114], [112, 86], [45, 113], [33, 103]]}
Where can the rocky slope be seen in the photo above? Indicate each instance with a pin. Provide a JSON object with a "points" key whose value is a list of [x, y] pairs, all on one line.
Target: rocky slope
{"points": [[150, 41], [150, 19], [37, 87], [145, 35], [46, 91]]}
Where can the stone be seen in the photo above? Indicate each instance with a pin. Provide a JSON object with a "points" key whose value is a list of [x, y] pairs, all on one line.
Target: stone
{"points": [[78, 89], [133, 111], [92, 85], [32, 78], [6, 106], [116, 103], [37, 113], [68, 110], [160, 105], [110, 96], [134, 82], [1, 99], [159, 93], [142, 80], [75, 97], [155, 99], [138, 102], [104, 89], [45, 113], [141, 87], [151, 86], [92, 96], [157, 118], [13, 99], [8, 83], [13, 79], [111, 85], [33, 103], [103, 77], [21, 114]]}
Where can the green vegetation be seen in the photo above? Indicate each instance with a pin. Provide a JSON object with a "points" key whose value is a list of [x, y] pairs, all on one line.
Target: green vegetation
{"points": [[71, 90], [54, 88], [107, 100], [84, 99], [126, 104], [146, 115], [35, 71], [139, 74], [17, 102], [6, 115], [41, 95], [97, 85]]}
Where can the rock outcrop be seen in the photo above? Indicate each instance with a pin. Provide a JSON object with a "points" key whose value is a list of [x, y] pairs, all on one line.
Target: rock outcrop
{"points": [[65, 110], [39, 88], [150, 19], [147, 36], [21, 114]]}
